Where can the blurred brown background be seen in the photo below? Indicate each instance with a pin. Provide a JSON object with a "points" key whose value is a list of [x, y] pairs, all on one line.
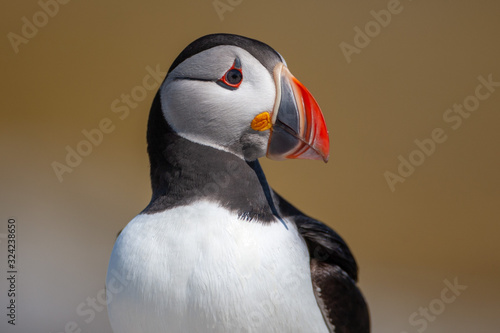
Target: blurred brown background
{"points": [[441, 223]]}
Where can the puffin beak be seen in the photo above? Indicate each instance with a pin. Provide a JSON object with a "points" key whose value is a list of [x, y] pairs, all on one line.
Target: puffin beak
{"points": [[298, 128]]}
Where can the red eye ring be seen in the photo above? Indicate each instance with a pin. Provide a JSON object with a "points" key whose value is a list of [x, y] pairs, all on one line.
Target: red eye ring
{"points": [[233, 77]]}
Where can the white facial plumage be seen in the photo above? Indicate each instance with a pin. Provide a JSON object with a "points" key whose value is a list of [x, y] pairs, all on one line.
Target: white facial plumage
{"points": [[202, 111]]}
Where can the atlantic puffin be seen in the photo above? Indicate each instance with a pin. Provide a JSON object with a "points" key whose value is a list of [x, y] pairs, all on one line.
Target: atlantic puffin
{"points": [[216, 249]]}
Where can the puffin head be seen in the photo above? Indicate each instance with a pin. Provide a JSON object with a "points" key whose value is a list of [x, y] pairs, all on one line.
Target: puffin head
{"points": [[236, 94]]}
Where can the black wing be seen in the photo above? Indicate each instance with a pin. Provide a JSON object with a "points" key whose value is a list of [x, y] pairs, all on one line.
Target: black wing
{"points": [[334, 273]]}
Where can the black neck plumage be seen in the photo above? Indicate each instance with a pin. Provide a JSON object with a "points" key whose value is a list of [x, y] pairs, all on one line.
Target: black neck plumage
{"points": [[183, 172]]}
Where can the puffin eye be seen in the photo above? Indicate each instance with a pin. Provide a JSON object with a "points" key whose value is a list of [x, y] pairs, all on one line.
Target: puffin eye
{"points": [[232, 78]]}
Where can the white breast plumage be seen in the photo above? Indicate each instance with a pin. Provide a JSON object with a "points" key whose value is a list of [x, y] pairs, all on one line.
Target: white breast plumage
{"points": [[198, 268]]}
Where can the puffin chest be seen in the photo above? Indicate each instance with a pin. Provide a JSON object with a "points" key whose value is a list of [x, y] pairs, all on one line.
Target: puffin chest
{"points": [[198, 268]]}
